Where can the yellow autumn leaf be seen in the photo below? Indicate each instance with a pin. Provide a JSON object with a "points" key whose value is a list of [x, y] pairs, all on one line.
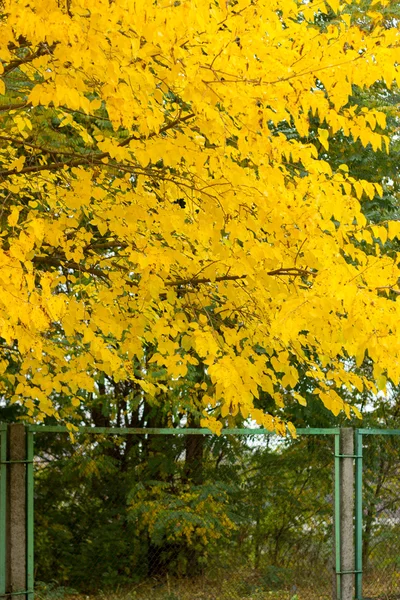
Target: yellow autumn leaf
{"points": [[356, 412], [292, 429], [393, 229], [55, 307], [323, 135], [381, 382], [13, 217], [334, 4], [95, 104]]}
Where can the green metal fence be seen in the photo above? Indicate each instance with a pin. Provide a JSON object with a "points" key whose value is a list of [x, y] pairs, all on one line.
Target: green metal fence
{"points": [[376, 456], [241, 583]]}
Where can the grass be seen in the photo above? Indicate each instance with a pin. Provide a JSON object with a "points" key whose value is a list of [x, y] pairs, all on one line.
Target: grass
{"points": [[232, 588]]}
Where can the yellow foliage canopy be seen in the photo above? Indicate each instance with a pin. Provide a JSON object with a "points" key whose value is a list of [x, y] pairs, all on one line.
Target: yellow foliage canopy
{"points": [[148, 200]]}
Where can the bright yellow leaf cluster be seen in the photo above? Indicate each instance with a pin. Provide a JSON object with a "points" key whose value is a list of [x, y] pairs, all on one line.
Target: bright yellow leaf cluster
{"points": [[150, 199]]}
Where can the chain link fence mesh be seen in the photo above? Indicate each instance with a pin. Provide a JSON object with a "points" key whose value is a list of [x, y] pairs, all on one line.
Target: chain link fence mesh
{"points": [[183, 516], [381, 516]]}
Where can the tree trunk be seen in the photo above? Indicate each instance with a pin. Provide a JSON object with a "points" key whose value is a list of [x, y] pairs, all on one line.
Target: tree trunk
{"points": [[194, 459]]}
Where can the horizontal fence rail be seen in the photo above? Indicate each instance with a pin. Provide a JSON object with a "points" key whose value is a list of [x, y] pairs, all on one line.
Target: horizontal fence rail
{"points": [[174, 431]]}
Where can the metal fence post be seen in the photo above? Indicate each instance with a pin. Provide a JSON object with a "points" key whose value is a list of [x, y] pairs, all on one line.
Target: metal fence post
{"points": [[16, 562], [336, 522], [359, 513], [346, 526], [29, 515], [3, 491]]}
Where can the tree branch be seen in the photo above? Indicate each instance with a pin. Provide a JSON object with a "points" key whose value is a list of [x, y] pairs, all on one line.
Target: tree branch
{"points": [[7, 107], [390, 288], [290, 271], [41, 51], [59, 262], [200, 280], [193, 281], [83, 159]]}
